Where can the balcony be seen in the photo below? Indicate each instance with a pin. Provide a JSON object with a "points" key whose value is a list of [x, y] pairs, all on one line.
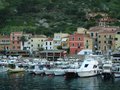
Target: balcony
{"points": [[4, 43]]}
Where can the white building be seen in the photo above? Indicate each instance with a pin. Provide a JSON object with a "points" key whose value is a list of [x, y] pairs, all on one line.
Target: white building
{"points": [[24, 44], [48, 44]]}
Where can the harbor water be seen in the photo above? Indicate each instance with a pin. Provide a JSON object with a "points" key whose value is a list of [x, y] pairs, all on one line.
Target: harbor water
{"points": [[25, 81]]}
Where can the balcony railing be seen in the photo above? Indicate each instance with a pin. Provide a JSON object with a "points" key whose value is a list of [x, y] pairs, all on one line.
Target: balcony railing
{"points": [[4, 43]]}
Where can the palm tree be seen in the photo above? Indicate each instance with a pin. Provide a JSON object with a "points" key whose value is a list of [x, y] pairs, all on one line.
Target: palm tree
{"points": [[23, 39]]}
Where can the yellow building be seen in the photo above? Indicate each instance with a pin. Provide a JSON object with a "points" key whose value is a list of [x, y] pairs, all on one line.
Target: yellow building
{"points": [[58, 39], [65, 43], [35, 43], [88, 42], [106, 42], [117, 40], [4, 42]]}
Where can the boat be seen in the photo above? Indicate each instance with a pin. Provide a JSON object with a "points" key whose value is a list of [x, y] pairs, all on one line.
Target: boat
{"points": [[71, 73], [116, 71], [15, 69], [38, 69], [49, 71], [59, 72], [107, 72], [31, 68], [89, 67]]}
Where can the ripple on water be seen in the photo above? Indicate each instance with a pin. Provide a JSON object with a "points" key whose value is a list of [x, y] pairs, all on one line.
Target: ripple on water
{"points": [[35, 82]]}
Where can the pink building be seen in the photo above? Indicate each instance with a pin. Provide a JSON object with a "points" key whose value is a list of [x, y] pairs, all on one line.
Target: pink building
{"points": [[15, 43], [76, 43]]}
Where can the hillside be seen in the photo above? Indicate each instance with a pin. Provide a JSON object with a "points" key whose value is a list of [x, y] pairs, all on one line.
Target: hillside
{"points": [[49, 16]]}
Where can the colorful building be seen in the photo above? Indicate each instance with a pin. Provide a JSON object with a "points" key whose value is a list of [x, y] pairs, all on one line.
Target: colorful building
{"points": [[76, 43], [15, 40], [48, 44], [117, 41], [4, 43], [35, 43], [103, 38], [88, 42], [65, 43], [24, 41], [58, 39]]}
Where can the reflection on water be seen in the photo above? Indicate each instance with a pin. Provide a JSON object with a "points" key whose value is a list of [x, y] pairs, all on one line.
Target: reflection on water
{"points": [[24, 81]]}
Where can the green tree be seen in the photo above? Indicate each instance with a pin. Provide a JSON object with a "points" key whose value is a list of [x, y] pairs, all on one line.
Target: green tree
{"points": [[23, 40], [59, 47]]}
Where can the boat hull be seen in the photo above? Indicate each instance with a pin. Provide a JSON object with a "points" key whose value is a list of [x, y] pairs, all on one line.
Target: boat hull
{"points": [[49, 72], [116, 74], [87, 73], [59, 73], [39, 72], [15, 70]]}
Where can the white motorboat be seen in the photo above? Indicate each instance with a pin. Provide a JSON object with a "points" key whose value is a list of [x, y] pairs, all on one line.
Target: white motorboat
{"points": [[89, 68], [59, 72], [31, 68], [107, 70], [38, 69], [71, 73], [49, 71], [116, 71]]}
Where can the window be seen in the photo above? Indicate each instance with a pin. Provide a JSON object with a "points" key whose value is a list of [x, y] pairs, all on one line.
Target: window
{"points": [[18, 37], [99, 36], [41, 40], [73, 44], [86, 40], [79, 38], [96, 34], [31, 45], [110, 37], [13, 42], [31, 40], [99, 47], [18, 47], [13, 37], [104, 47], [46, 43], [38, 45], [78, 45], [105, 36], [86, 65], [87, 47], [104, 41], [18, 42], [73, 38], [50, 43], [118, 32], [116, 39], [92, 34], [13, 47], [95, 66], [99, 41]]}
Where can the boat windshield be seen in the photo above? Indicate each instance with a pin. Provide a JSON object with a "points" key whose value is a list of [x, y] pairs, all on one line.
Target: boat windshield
{"points": [[86, 65], [32, 67]]}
